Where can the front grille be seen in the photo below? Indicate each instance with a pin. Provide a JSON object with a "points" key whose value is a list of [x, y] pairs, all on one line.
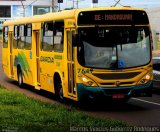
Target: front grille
{"points": [[115, 76], [107, 83], [121, 83]]}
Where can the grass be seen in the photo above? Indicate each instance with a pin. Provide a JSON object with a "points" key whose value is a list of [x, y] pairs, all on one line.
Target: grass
{"points": [[21, 113]]}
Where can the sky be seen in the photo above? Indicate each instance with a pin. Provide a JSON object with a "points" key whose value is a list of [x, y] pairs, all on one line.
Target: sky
{"points": [[134, 3]]}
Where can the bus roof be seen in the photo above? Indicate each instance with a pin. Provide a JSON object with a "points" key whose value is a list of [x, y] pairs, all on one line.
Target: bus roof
{"points": [[66, 14]]}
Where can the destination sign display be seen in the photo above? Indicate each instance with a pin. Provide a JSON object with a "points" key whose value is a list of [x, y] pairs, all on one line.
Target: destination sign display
{"points": [[113, 17]]}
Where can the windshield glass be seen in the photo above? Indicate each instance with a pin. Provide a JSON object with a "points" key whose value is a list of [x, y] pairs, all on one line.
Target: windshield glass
{"points": [[114, 47]]}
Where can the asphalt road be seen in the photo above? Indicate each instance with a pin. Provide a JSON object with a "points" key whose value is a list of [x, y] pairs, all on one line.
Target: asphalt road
{"points": [[136, 112]]}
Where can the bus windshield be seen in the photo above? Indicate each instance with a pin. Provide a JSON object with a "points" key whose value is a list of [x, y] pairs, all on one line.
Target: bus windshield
{"points": [[114, 47]]}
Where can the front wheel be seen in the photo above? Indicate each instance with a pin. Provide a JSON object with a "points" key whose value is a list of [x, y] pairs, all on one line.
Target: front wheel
{"points": [[60, 92], [58, 87], [20, 77]]}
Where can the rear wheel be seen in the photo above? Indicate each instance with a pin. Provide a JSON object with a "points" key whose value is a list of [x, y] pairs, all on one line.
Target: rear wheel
{"points": [[20, 77]]}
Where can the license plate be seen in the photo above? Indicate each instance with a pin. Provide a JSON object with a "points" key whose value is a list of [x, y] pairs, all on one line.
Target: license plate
{"points": [[118, 96]]}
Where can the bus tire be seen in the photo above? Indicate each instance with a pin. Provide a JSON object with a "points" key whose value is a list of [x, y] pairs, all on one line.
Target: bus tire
{"points": [[58, 87], [20, 77]]}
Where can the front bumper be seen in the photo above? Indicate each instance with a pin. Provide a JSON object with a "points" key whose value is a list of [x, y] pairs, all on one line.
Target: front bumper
{"points": [[85, 92]]}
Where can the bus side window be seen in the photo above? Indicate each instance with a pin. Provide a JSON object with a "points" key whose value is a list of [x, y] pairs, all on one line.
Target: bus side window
{"points": [[21, 38], [47, 39], [5, 37], [16, 34], [58, 36], [28, 34]]}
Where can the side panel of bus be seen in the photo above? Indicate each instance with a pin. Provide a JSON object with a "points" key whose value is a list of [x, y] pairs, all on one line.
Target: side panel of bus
{"points": [[21, 53], [51, 55], [22, 60]]}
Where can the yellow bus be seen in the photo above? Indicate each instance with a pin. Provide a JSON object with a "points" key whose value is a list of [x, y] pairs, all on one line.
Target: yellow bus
{"points": [[81, 54]]}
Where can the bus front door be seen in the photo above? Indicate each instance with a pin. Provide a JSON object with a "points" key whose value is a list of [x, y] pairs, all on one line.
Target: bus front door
{"points": [[11, 55], [71, 67]]}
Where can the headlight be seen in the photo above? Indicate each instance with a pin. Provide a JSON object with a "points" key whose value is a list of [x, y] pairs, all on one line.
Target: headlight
{"points": [[86, 81], [146, 78]]}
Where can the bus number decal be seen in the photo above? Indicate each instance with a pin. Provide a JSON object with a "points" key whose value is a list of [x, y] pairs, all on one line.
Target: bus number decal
{"points": [[85, 71], [47, 59]]}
